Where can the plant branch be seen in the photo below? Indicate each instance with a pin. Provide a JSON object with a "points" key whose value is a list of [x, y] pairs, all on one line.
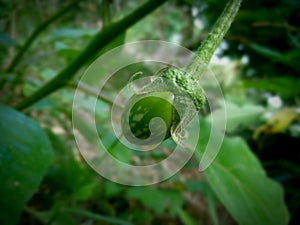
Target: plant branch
{"points": [[101, 39], [36, 33], [214, 38]]}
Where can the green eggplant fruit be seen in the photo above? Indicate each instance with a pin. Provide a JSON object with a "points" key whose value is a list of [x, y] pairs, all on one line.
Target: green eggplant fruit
{"points": [[142, 110]]}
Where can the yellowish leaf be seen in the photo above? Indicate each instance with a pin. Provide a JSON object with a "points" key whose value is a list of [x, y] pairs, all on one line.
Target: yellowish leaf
{"points": [[277, 123]]}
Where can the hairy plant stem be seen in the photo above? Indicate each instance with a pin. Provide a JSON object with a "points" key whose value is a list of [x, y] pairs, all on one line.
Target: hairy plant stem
{"points": [[206, 50], [15, 61], [104, 37]]}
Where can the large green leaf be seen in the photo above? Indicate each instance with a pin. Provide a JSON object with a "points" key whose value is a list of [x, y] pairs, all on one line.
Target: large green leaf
{"points": [[238, 116], [25, 153], [241, 184]]}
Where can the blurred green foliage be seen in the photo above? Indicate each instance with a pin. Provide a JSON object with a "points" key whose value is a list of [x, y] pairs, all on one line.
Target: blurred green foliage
{"points": [[260, 79]]}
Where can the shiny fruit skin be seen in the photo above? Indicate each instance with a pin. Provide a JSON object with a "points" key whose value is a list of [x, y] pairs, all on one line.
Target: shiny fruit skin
{"points": [[143, 108]]}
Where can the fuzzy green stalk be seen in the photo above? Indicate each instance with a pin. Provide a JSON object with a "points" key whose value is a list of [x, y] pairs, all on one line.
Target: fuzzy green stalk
{"points": [[189, 81], [206, 50]]}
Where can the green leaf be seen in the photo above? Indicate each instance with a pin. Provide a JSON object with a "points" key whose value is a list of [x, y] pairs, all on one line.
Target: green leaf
{"points": [[157, 199], [237, 116], [25, 153], [186, 219], [286, 87], [150, 197], [67, 174], [55, 215], [138, 216], [112, 189], [241, 184], [289, 58], [267, 52]]}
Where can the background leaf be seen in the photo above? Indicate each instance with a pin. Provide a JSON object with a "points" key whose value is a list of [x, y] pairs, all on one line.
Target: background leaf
{"points": [[157, 199], [241, 184], [67, 173], [239, 116], [285, 87], [25, 153]]}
